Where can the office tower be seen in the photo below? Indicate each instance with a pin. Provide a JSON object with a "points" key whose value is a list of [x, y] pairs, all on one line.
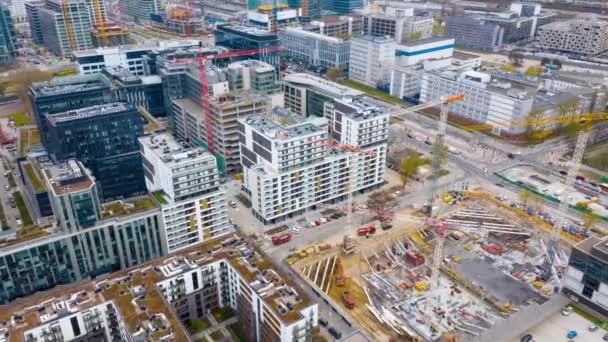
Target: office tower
{"points": [[186, 183], [316, 49], [105, 138], [8, 37], [33, 18], [268, 19], [342, 6], [288, 169], [311, 9], [587, 37], [66, 26], [368, 58], [344, 26], [237, 37], [140, 10], [471, 33]]}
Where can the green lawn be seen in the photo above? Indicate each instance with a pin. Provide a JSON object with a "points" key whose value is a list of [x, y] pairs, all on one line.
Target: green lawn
{"points": [[160, 196], [23, 211], [222, 314], [234, 332], [21, 119], [66, 72], [11, 180], [217, 335], [374, 92], [34, 178]]}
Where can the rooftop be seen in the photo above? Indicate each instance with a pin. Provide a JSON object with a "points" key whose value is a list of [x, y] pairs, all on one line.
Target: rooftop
{"points": [[127, 207], [323, 85], [248, 30], [360, 109], [464, 55], [165, 147], [89, 112], [375, 39], [135, 292], [336, 19], [570, 25], [70, 85], [121, 74], [299, 31], [594, 246], [159, 45], [67, 177], [427, 41], [274, 130], [258, 66]]}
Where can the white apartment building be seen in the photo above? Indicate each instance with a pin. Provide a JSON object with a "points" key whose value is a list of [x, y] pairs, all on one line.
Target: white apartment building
{"points": [[487, 99], [186, 184], [369, 57], [288, 169]]}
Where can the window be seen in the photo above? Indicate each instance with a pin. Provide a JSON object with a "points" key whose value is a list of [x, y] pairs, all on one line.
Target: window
{"points": [[75, 326]]}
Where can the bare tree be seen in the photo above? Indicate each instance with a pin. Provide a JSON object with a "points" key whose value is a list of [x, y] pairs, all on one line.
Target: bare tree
{"points": [[516, 57], [22, 78]]}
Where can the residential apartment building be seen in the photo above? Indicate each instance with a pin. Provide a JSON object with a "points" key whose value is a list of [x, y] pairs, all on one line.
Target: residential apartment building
{"points": [[226, 110], [368, 59], [8, 37], [268, 305], [129, 57], [585, 279], [289, 169], [66, 28], [316, 49], [238, 37], [186, 183], [474, 34], [140, 10], [587, 37], [33, 19], [344, 26], [105, 138], [307, 95], [91, 240], [488, 99], [62, 94]]}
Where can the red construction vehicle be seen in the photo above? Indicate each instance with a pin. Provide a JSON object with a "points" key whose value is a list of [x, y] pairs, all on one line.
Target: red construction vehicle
{"points": [[347, 300], [366, 230], [281, 239]]}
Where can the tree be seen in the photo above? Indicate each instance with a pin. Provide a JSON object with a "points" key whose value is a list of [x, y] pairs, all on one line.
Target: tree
{"points": [[532, 71], [334, 74], [590, 219], [545, 61], [23, 77], [533, 131], [509, 68], [415, 35], [524, 196], [516, 57], [381, 202], [569, 108], [438, 28], [409, 167]]}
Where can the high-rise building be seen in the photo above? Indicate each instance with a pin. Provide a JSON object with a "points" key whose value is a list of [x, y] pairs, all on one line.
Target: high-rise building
{"points": [[316, 49], [307, 95], [237, 37], [471, 33], [588, 37], [269, 19], [342, 6], [105, 138], [252, 75], [398, 23], [33, 19], [62, 94], [124, 234], [66, 26], [368, 58], [8, 37], [17, 11], [140, 9], [311, 9], [186, 183], [156, 302], [287, 170]]}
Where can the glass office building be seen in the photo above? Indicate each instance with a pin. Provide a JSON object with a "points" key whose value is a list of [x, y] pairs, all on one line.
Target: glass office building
{"points": [[237, 37]]}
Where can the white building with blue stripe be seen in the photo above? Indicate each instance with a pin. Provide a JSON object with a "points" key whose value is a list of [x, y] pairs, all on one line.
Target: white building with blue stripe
{"points": [[414, 52]]}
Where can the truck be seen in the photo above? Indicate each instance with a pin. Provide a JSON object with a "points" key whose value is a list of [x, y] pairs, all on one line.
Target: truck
{"points": [[366, 230], [347, 300], [281, 239]]}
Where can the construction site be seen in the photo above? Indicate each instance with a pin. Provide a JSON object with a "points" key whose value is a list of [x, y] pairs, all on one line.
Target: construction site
{"points": [[487, 268]]}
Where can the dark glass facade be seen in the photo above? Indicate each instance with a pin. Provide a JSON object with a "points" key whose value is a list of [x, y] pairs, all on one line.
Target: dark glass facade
{"points": [[106, 143], [244, 38]]}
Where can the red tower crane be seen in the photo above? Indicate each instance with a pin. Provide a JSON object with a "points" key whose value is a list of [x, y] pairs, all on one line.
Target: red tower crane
{"points": [[201, 59]]}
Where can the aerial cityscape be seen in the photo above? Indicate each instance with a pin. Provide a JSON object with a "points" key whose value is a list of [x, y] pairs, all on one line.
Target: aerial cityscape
{"points": [[303, 170]]}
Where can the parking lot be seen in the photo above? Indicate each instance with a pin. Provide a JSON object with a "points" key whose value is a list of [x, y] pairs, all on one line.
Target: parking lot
{"points": [[556, 327]]}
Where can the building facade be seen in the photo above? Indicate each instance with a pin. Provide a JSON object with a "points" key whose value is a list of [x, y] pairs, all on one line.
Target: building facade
{"points": [[140, 10], [471, 33], [186, 183], [33, 19], [311, 9], [368, 58], [415, 52], [342, 6], [239, 37], [145, 92], [344, 26], [585, 278], [577, 36], [288, 170], [66, 28], [252, 75], [105, 138], [397, 23], [316, 49], [8, 37], [268, 19]]}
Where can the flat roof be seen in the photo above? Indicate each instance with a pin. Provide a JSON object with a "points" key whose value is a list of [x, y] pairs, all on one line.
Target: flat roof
{"points": [[361, 109], [165, 147], [89, 112], [425, 41], [314, 35], [276, 131], [69, 176], [159, 45], [336, 89], [464, 55], [248, 30], [138, 286], [127, 207], [70, 85]]}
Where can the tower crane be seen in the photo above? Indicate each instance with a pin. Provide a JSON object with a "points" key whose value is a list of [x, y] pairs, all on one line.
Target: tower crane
{"points": [[201, 59]]}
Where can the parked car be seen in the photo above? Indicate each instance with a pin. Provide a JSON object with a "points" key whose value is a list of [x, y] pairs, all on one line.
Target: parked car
{"points": [[605, 338], [526, 338], [232, 204], [593, 328], [323, 321], [566, 311], [335, 333], [386, 226]]}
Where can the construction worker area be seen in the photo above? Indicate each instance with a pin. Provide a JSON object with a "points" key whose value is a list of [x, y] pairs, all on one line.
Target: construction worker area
{"points": [[453, 276]]}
